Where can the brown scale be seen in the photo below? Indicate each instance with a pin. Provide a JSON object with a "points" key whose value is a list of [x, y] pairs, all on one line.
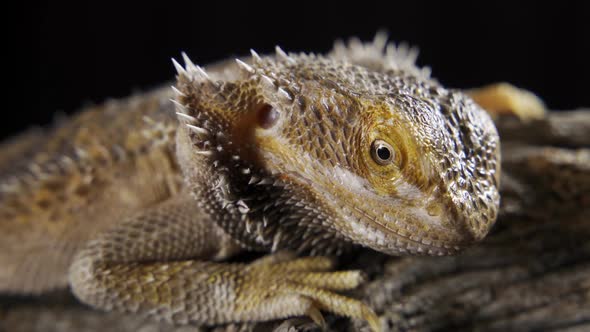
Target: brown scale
{"points": [[136, 209]]}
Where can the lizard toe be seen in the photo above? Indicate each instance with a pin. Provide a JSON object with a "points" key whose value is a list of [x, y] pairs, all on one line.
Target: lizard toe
{"points": [[271, 279]]}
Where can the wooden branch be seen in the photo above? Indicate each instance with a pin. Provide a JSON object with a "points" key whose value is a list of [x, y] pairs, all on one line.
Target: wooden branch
{"points": [[531, 273]]}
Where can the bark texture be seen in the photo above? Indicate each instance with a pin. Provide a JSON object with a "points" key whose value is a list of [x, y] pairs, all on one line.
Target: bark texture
{"points": [[532, 273]]}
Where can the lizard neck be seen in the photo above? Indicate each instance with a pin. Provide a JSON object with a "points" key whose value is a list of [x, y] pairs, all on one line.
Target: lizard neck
{"points": [[261, 212]]}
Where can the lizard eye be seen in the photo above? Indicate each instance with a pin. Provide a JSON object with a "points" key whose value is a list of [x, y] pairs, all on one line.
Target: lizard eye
{"points": [[382, 152], [267, 116]]}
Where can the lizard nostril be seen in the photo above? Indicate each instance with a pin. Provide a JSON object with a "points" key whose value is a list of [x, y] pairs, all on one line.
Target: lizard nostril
{"points": [[267, 116]]}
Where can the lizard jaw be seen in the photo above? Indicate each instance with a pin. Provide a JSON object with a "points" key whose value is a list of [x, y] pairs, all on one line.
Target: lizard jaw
{"points": [[369, 219], [392, 225]]}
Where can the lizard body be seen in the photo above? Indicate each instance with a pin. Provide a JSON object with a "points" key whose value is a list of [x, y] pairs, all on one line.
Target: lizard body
{"points": [[135, 207]]}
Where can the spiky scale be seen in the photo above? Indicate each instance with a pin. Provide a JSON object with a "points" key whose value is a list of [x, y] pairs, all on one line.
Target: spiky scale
{"points": [[186, 117], [268, 81], [178, 105], [283, 55], [285, 94], [245, 66], [189, 65], [202, 72], [197, 129], [179, 68], [177, 92], [255, 56], [304, 182]]}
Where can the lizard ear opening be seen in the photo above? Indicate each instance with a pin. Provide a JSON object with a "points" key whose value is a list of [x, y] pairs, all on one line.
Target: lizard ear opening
{"points": [[266, 116]]}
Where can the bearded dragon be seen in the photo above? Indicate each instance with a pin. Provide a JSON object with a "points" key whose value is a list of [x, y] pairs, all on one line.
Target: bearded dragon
{"points": [[139, 204]]}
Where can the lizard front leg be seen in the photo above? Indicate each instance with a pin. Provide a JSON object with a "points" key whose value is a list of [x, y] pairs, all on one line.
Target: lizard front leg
{"points": [[161, 263]]}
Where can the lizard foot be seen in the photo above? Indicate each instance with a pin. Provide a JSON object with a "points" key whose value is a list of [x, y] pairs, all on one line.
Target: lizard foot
{"points": [[504, 98], [290, 286]]}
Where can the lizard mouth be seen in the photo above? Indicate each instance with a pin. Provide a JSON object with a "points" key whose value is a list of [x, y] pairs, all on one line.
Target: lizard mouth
{"points": [[416, 223], [372, 220]]}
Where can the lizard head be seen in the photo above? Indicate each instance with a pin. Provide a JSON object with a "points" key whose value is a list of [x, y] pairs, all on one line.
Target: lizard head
{"points": [[315, 153]]}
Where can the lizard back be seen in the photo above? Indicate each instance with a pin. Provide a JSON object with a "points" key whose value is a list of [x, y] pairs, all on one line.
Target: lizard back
{"points": [[61, 185]]}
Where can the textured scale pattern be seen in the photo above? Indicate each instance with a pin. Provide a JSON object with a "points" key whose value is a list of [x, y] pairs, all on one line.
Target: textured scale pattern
{"points": [[77, 179], [137, 208], [327, 108]]}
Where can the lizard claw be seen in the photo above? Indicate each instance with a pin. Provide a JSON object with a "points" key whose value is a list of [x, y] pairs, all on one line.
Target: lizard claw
{"points": [[371, 318], [316, 316], [308, 285]]}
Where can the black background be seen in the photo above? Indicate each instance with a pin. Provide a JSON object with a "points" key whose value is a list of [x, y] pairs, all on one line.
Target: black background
{"points": [[67, 55]]}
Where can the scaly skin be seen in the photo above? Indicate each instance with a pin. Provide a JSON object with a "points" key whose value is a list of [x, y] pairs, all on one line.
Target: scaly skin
{"points": [[136, 208]]}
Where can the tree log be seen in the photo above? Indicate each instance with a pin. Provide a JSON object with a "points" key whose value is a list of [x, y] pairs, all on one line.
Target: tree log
{"points": [[531, 273]]}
